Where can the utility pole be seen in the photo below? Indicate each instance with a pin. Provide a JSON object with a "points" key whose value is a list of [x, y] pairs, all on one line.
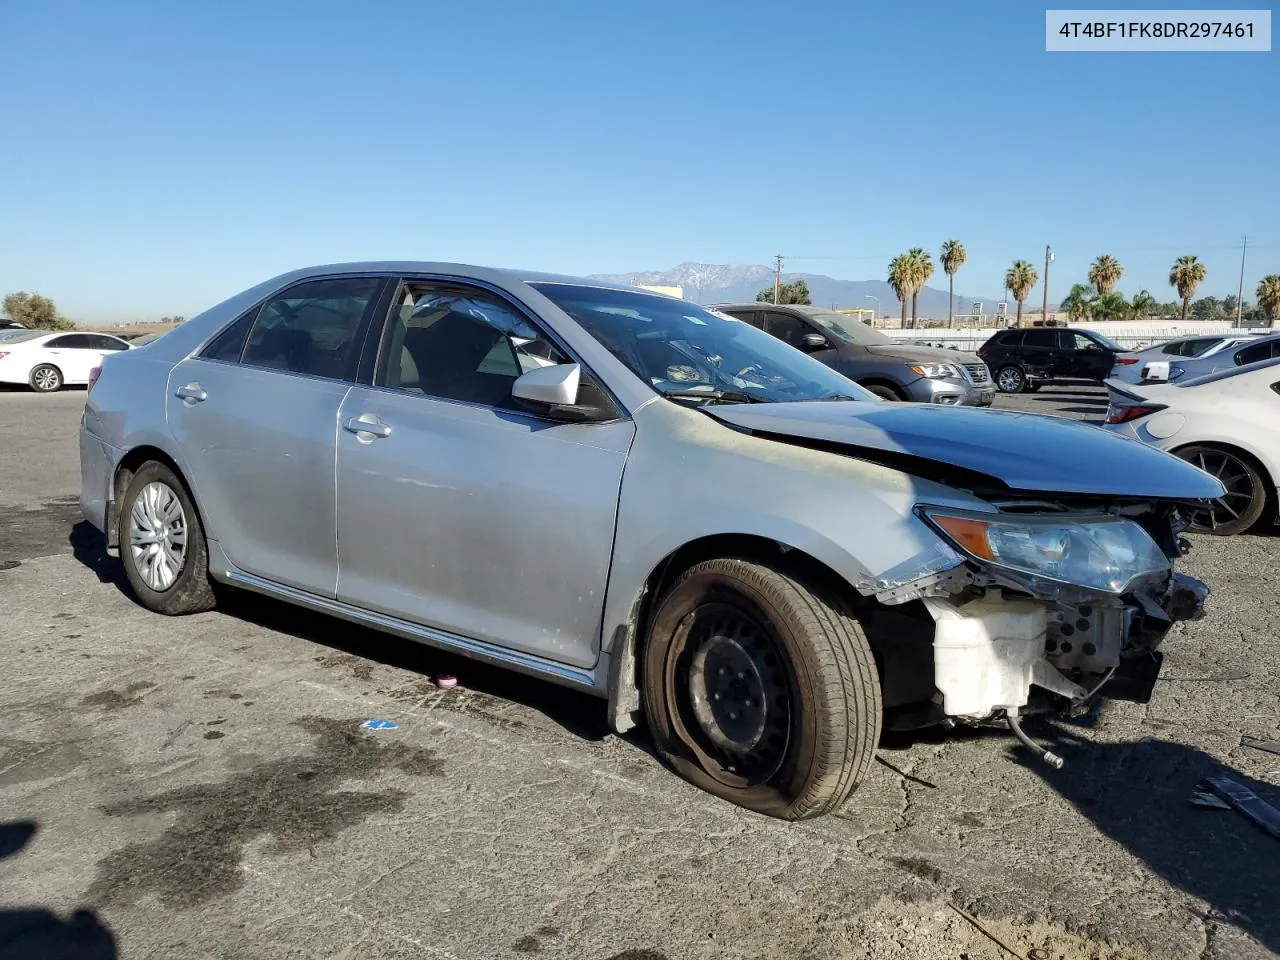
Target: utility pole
{"points": [[777, 279], [1044, 310], [1240, 289]]}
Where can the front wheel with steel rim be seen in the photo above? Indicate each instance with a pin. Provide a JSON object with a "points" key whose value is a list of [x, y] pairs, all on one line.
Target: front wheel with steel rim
{"points": [[162, 544], [759, 686], [45, 378], [1246, 491], [1010, 379]]}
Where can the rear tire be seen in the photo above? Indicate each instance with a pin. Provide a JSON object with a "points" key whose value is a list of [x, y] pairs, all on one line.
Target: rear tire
{"points": [[1245, 500], [760, 687], [162, 544], [45, 378], [1011, 379]]}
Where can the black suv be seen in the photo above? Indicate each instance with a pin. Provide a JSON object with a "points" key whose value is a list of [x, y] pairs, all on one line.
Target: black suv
{"points": [[1025, 360]]}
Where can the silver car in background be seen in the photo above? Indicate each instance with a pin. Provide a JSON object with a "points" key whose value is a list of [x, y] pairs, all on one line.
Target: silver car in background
{"points": [[892, 371], [630, 495], [1174, 369], [1129, 366]]}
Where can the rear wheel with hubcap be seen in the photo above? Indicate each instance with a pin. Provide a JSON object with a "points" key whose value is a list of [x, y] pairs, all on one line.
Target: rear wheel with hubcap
{"points": [[1241, 506], [45, 378], [761, 688], [162, 544]]}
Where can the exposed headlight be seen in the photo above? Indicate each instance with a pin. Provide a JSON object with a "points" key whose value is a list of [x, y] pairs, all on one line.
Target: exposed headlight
{"points": [[1102, 554], [934, 371]]}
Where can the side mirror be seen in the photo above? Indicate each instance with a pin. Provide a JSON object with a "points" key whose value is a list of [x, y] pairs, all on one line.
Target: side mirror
{"points": [[555, 386], [813, 341]]}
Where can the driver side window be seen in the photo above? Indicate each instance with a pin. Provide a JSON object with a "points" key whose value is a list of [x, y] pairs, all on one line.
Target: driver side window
{"points": [[786, 328], [453, 342]]}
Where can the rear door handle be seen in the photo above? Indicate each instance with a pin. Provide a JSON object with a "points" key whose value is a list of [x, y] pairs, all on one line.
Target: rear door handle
{"points": [[368, 424], [191, 393]]}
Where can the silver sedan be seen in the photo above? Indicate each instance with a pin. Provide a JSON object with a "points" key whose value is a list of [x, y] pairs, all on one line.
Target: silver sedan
{"points": [[627, 494]]}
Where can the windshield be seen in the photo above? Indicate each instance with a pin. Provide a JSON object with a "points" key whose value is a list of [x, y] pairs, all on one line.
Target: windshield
{"points": [[1108, 343], [680, 349], [846, 328]]}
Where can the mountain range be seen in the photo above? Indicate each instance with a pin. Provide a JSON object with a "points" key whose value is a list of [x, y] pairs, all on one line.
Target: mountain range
{"points": [[737, 282]]}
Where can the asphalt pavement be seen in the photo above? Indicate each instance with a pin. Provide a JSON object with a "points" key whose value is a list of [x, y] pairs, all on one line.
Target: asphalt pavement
{"points": [[203, 787]]}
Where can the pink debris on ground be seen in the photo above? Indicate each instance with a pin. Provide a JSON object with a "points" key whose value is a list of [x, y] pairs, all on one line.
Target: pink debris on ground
{"points": [[446, 682]]}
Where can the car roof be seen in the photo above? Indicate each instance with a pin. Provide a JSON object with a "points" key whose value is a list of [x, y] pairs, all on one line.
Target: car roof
{"points": [[461, 270]]}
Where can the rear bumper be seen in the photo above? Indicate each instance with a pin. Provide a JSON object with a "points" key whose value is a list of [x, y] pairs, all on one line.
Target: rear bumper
{"points": [[98, 460]]}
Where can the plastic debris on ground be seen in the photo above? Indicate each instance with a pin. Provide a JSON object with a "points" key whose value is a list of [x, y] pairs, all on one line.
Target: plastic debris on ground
{"points": [[1238, 797], [446, 682], [379, 724]]}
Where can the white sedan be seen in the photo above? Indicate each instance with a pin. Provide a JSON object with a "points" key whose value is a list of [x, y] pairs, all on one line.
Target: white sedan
{"points": [[1226, 423], [49, 361]]}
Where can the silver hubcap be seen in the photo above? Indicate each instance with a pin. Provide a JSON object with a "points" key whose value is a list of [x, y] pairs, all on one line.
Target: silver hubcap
{"points": [[158, 536], [46, 379], [1010, 380]]}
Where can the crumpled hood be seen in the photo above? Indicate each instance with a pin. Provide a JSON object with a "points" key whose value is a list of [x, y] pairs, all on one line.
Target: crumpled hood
{"points": [[914, 354], [1023, 451]]}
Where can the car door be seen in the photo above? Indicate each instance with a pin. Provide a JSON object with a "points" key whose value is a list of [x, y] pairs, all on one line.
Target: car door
{"points": [[1082, 357], [73, 354], [457, 508], [255, 415], [1040, 352], [792, 329]]}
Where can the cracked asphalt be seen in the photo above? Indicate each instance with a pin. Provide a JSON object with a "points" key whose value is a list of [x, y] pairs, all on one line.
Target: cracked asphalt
{"points": [[202, 787]]}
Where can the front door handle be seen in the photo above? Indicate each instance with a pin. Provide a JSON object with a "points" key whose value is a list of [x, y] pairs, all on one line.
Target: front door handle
{"points": [[191, 393], [365, 423]]}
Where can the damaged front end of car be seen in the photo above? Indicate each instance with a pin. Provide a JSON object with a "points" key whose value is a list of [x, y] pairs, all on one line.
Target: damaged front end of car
{"points": [[1054, 603]]}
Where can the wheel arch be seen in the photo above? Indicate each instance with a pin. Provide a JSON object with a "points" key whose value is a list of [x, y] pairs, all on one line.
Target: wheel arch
{"points": [[879, 380], [45, 363], [125, 469], [626, 650]]}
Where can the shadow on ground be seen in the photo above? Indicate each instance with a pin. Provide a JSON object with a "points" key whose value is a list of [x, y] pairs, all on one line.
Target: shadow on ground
{"points": [[30, 933], [578, 713], [1137, 793]]}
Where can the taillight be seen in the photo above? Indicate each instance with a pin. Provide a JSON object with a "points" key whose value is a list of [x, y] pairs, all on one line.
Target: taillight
{"points": [[94, 374], [1123, 414], [1125, 361], [983, 351]]}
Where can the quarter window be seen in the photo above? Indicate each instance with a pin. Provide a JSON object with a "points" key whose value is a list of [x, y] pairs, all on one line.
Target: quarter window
{"points": [[459, 343], [311, 328]]}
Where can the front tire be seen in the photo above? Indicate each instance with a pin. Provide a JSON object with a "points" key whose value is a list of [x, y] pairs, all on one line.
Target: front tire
{"points": [[162, 544], [760, 688], [883, 392], [1011, 379], [46, 378], [1241, 506]]}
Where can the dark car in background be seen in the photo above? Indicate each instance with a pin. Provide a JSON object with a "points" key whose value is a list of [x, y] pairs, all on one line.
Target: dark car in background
{"points": [[1026, 359], [892, 371]]}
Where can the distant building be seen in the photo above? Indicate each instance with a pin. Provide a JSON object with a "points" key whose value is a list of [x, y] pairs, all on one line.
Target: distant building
{"points": [[677, 292]]}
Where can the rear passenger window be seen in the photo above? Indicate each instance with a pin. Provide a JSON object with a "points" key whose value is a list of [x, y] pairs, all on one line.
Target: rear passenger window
{"points": [[1039, 338], [1255, 352], [1011, 339], [311, 328], [459, 343]]}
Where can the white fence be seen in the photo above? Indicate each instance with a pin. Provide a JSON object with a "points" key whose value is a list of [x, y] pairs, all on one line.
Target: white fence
{"points": [[1133, 334]]}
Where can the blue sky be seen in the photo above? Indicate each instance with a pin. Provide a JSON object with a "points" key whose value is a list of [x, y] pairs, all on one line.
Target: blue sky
{"points": [[160, 156]]}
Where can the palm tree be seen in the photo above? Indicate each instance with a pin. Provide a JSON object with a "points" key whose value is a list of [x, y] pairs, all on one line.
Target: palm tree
{"points": [[1078, 302], [1185, 275], [900, 280], [1020, 278], [1110, 306], [1105, 273], [1143, 303], [1268, 294], [921, 271], [952, 255]]}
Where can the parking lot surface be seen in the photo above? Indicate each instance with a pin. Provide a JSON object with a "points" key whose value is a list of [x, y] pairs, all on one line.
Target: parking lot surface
{"points": [[204, 787]]}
